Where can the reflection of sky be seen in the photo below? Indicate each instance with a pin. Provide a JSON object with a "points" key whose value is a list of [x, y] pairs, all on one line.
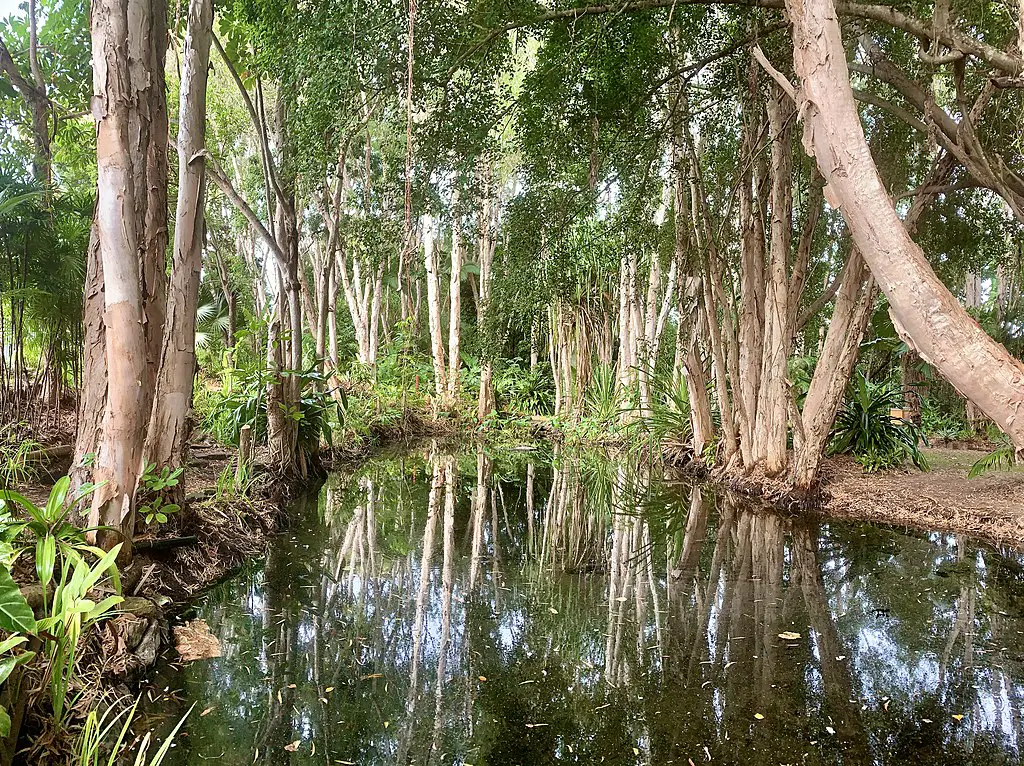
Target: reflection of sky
{"points": [[541, 668]]}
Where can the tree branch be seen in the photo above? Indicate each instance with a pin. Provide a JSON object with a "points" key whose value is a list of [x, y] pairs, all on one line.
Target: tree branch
{"points": [[219, 178], [956, 41]]}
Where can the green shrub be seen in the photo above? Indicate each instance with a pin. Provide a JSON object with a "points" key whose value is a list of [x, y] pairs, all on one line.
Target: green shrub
{"points": [[602, 399], [865, 428], [526, 391]]}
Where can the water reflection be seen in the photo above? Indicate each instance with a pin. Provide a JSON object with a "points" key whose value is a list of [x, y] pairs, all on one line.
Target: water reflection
{"points": [[449, 608]]}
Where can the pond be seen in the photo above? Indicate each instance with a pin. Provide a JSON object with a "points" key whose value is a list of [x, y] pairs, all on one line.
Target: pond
{"points": [[532, 608]]}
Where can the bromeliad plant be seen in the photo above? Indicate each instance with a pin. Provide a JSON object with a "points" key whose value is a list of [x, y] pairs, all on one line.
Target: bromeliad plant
{"points": [[866, 428]]}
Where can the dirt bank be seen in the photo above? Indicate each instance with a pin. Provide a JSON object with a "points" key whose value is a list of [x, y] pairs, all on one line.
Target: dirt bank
{"points": [[990, 507]]}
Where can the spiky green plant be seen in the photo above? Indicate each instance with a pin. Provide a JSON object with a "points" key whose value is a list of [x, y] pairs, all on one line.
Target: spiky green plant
{"points": [[866, 428]]}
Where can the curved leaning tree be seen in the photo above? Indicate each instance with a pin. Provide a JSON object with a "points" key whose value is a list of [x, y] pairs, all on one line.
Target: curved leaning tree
{"points": [[928, 316]]}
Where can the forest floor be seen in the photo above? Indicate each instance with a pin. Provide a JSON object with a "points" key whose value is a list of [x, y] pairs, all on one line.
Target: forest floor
{"points": [[990, 507]]}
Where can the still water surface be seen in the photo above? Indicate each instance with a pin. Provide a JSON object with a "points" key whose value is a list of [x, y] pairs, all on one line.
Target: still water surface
{"points": [[439, 608]]}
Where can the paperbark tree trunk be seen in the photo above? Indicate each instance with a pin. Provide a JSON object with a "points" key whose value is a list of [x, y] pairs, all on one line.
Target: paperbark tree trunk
{"points": [[769, 447], [169, 424], [835, 365], [846, 328], [485, 399], [434, 316], [129, 106], [454, 314], [933, 321]]}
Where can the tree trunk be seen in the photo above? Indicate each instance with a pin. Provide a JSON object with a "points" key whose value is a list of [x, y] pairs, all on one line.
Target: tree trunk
{"points": [[129, 106], [172, 403], [933, 322], [434, 315], [454, 313], [92, 398], [835, 365], [769, 446], [485, 400]]}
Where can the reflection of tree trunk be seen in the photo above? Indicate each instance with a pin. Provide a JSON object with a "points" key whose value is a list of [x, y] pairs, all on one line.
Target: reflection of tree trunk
{"points": [[437, 484], [480, 505], [447, 586], [837, 676], [693, 536], [531, 543], [701, 648], [281, 621], [964, 619]]}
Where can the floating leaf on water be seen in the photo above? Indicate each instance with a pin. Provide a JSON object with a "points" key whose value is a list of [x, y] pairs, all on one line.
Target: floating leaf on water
{"points": [[482, 678], [328, 690], [293, 746], [789, 635], [958, 717], [758, 716], [206, 712], [830, 730], [552, 610], [926, 720]]}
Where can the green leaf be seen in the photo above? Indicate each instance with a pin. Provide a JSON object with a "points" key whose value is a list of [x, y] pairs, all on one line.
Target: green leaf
{"points": [[15, 613], [5, 722], [55, 502], [101, 609], [35, 512], [10, 643], [46, 558], [7, 666]]}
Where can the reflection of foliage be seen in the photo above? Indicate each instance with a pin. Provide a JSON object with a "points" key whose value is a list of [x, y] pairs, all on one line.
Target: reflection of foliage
{"points": [[546, 665]]}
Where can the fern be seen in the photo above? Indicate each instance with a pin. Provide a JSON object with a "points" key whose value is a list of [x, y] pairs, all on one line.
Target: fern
{"points": [[1001, 458]]}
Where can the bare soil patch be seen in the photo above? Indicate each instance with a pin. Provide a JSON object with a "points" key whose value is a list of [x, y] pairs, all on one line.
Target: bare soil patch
{"points": [[990, 507]]}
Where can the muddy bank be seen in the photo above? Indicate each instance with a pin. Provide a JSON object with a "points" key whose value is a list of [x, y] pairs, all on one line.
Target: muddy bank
{"points": [[943, 499], [990, 507]]}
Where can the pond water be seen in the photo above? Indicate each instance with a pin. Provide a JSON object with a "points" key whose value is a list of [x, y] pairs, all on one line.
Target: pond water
{"points": [[539, 609]]}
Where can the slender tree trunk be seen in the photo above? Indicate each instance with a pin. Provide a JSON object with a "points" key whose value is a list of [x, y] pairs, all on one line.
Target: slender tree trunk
{"points": [[434, 316], [169, 424], [835, 365], [932, 320], [92, 398], [485, 400], [454, 314]]}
